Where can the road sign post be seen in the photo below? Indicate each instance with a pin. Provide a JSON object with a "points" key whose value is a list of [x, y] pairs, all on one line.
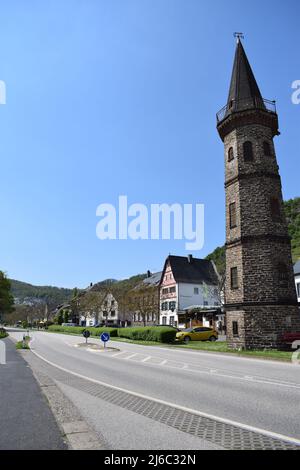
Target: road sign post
{"points": [[86, 334], [105, 337]]}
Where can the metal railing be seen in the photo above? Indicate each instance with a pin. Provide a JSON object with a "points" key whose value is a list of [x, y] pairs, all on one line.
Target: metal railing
{"points": [[245, 104]]}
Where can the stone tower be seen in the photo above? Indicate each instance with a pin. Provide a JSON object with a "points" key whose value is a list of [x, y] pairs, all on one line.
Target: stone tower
{"points": [[260, 296]]}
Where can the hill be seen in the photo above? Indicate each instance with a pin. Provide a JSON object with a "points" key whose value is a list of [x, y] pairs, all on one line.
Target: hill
{"points": [[292, 213], [27, 293]]}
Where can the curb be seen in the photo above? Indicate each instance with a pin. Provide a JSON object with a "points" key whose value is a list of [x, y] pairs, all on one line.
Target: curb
{"points": [[77, 433]]}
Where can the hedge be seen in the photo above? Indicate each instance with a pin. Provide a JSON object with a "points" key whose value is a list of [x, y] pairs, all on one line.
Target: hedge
{"points": [[156, 334], [3, 333], [161, 334], [79, 330]]}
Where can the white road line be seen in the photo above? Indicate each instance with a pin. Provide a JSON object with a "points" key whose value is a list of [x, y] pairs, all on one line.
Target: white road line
{"points": [[130, 357], [146, 359], [119, 353], [179, 407], [163, 363]]}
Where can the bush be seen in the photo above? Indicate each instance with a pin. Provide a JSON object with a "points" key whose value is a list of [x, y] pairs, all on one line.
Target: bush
{"points": [[3, 333], [157, 334], [79, 330]]}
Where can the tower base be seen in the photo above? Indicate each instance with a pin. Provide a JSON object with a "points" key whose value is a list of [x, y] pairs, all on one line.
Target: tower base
{"points": [[261, 327]]}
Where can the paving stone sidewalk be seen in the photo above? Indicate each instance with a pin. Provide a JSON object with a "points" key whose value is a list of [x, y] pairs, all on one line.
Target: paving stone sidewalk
{"points": [[27, 422]]}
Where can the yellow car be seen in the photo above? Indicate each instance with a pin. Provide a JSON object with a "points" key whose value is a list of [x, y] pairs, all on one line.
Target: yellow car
{"points": [[197, 334]]}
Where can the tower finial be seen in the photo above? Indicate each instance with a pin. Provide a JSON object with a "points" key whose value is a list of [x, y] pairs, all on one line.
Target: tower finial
{"points": [[239, 36]]}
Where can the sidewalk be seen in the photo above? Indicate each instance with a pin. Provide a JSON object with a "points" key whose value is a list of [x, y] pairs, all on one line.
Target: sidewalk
{"points": [[26, 420]]}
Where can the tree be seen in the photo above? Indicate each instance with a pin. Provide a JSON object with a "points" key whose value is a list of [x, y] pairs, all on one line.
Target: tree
{"points": [[6, 298]]}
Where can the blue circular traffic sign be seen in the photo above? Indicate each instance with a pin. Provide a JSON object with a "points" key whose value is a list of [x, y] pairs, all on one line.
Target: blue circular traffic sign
{"points": [[105, 337]]}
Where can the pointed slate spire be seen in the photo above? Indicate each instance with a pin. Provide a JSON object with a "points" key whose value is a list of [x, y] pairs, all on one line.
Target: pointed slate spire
{"points": [[244, 92]]}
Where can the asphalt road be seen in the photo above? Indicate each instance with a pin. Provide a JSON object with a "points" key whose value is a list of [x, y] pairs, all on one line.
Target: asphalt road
{"points": [[262, 394]]}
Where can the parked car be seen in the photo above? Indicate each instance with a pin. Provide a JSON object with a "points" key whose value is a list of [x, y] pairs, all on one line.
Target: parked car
{"points": [[197, 334]]}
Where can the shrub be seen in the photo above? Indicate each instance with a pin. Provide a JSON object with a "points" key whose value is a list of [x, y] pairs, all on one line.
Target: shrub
{"points": [[3, 333], [156, 334], [79, 330]]}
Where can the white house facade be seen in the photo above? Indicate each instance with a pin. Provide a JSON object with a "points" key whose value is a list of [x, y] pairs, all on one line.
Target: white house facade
{"points": [[188, 284], [107, 314], [297, 278]]}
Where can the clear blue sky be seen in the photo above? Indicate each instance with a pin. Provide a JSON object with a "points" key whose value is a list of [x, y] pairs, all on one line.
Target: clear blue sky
{"points": [[111, 97]]}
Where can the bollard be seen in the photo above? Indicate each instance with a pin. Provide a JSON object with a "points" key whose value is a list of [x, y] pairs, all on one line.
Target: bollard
{"points": [[2, 353]]}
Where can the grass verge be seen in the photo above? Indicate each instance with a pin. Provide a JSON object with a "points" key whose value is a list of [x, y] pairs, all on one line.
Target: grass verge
{"points": [[23, 344]]}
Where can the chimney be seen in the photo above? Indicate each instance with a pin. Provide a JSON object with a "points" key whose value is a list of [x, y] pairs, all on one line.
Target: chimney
{"points": [[148, 274], [190, 259]]}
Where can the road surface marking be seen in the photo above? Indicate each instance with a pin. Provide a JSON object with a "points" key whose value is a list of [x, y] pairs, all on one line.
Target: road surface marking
{"points": [[218, 373], [118, 354], [146, 359], [130, 357], [178, 407]]}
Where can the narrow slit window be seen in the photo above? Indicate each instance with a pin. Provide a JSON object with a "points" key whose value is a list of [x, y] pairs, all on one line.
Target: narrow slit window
{"points": [[234, 278], [267, 149], [230, 154], [275, 209], [235, 328], [248, 152], [232, 215]]}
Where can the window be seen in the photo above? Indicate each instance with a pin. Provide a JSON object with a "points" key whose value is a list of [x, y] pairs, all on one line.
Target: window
{"points": [[283, 274], [105, 314], [275, 208], [164, 306], [172, 319], [172, 290], [172, 306], [298, 289], [234, 278], [113, 313], [267, 149], [248, 152], [112, 303], [164, 320], [232, 215], [235, 328], [196, 291], [205, 303], [165, 291], [230, 154]]}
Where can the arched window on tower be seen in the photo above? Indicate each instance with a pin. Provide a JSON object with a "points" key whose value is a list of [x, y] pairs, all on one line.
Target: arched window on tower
{"points": [[230, 154], [248, 152], [283, 274], [267, 149]]}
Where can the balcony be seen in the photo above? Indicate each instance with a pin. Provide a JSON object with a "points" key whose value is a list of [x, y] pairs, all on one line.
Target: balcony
{"points": [[245, 105]]}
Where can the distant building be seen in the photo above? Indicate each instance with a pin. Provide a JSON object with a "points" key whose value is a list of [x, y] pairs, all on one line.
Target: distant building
{"points": [[101, 311], [189, 292], [297, 278], [144, 301]]}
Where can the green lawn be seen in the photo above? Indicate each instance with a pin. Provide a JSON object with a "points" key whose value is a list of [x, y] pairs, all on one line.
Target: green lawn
{"points": [[217, 347], [20, 345]]}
